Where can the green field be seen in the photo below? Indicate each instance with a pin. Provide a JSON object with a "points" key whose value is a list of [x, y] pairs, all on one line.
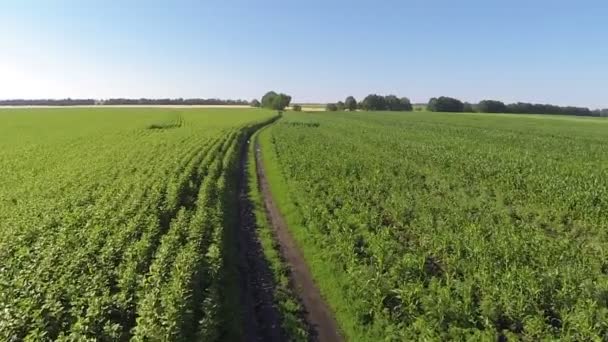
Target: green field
{"points": [[426, 226], [118, 224], [112, 220]]}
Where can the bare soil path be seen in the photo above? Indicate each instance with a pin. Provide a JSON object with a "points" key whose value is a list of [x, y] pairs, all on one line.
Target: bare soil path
{"points": [[261, 319], [318, 315]]}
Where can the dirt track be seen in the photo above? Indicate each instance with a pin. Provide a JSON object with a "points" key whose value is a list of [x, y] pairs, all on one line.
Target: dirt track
{"points": [[261, 319], [317, 313]]}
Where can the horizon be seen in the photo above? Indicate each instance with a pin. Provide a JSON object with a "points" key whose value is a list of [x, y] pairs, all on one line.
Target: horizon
{"points": [[318, 52]]}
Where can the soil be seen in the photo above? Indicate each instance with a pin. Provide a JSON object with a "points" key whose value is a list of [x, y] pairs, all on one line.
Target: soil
{"points": [[261, 319], [317, 314]]}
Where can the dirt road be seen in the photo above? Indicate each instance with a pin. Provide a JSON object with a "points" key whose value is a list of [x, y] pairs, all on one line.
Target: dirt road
{"points": [[318, 314]]}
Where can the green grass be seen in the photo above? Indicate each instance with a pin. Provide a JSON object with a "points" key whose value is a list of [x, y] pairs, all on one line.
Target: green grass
{"points": [[449, 226]]}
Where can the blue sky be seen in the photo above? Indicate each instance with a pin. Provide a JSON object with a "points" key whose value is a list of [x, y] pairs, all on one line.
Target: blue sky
{"points": [[317, 51]]}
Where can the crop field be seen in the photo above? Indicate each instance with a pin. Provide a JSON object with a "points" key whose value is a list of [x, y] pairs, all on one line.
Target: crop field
{"points": [[163, 224], [426, 226], [112, 222]]}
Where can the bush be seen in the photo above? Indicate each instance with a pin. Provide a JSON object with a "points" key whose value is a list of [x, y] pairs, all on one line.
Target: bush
{"points": [[445, 104], [296, 108], [340, 105], [255, 103]]}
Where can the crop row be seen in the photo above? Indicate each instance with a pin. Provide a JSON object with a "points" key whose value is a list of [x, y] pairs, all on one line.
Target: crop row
{"points": [[122, 238], [435, 227]]}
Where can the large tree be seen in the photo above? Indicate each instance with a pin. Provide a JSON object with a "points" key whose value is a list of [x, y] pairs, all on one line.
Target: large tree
{"points": [[373, 102], [350, 103], [275, 101]]}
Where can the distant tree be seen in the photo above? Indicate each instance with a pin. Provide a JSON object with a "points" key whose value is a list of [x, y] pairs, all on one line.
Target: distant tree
{"points": [[445, 104], [389, 102], [296, 108], [491, 106], [535, 108], [331, 107], [604, 112], [392, 102], [275, 101], [468, 108], [340, 105], [255, 103], [373, 102], [405, 104], [350, 103]]}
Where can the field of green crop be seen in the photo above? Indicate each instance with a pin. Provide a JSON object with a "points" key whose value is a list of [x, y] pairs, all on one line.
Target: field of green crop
{"points": [[425, 226], [112, 222]]}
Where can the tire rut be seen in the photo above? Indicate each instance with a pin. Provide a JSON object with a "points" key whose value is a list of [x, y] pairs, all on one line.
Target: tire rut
{"points": [[261, 318], [317, 314]]}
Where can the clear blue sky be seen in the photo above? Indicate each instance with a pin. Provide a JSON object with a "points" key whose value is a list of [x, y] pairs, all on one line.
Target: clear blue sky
{"points": [[318, 51]]}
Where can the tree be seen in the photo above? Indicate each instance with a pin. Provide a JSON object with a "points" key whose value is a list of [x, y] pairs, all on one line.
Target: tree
{"points": [[491, 106], [373, 102], [405, 104], [331, 107], [535, 108], [350, 103], [296, 108], [392, 102], [275, 101], [445, 104], [389, 102], [340, 105], [255, 103]]}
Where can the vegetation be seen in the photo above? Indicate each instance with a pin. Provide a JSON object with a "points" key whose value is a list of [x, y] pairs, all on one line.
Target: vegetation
{"points": [[296, 108], [350, 103], [491, 106], [448, 104], [122, 102], [255, 103], [111, 230], [275, 101], [531, 108], [445, 104], [284, 296], [331, 107], [449, 227], [391, 102]]}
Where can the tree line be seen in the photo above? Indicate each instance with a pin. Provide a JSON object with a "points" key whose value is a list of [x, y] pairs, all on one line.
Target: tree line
{"points": [[123, 102], [49, 102], [374, 102], [449, 104]]}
